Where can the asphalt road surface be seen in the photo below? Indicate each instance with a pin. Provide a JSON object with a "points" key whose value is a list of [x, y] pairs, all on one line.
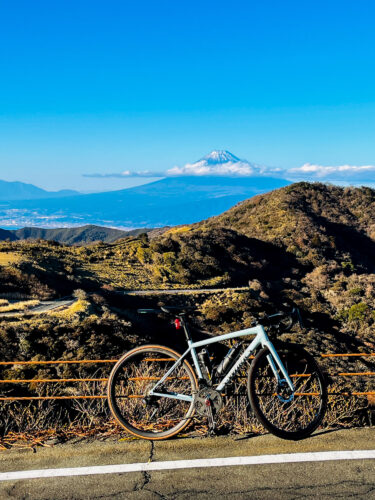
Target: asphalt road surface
{"points": [[42, 307], [184, 291], [316, 479]]}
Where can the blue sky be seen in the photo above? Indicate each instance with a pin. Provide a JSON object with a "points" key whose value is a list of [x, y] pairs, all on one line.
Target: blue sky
{"points": [[103, 87]]}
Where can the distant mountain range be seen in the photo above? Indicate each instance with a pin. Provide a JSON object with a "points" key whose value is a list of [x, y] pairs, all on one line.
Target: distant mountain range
{"points": [[22, 191], [179, 199], [70, 235]]}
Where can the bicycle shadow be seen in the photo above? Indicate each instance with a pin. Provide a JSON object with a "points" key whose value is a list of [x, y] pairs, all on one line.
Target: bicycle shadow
{"points": [[314, 435]]}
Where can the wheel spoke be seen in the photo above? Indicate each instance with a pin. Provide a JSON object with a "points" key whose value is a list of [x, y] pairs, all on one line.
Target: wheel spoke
{"points": [[129, 392], [288, 414]]}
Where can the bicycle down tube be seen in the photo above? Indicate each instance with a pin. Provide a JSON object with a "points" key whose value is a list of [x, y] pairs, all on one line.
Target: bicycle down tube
{"points": [[261, 338]]}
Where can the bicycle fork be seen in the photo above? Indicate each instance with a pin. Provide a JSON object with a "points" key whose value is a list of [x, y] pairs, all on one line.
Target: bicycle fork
{"points": [[273, 360]]}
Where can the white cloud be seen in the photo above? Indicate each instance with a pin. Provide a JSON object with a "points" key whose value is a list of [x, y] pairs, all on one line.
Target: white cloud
{"points": [[232, 169], [225, 164], [222, 163], [128, 173], [217, 163], [308, 171]]}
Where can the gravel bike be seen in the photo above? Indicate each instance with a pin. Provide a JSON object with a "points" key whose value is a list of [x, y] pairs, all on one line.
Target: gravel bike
{"points": [[154, 392]]}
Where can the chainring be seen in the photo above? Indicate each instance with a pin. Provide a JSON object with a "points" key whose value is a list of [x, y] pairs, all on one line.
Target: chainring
{"points": [[207, 398]]}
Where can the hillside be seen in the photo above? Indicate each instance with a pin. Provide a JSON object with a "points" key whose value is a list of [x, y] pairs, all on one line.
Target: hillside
{"points": [[297, 245], [307, 243], [72, 235], [315, 222], [7, 235]]}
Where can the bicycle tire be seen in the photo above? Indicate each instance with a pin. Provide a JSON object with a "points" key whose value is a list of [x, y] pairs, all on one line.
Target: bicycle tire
{"points": [[286, 415], [153, 417]]}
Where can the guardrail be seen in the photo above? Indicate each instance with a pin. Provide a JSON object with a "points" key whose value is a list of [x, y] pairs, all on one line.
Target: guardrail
{"points": [[369, 394]]}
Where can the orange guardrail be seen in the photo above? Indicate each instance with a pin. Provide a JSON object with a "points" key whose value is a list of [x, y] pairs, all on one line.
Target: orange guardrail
{"points": [[58, 362], [348, 355], [39, 398], [104, 380]]}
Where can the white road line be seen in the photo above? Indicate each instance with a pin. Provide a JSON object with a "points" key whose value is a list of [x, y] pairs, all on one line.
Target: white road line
{"points": [[320, 456]]}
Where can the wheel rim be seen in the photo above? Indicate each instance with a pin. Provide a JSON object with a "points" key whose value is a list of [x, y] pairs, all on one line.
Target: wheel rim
{"points": [[280, 410], [138, 411]]}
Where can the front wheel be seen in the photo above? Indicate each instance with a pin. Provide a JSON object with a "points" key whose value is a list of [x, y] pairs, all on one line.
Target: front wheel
{"points": [[288, 415], [129, 385]]}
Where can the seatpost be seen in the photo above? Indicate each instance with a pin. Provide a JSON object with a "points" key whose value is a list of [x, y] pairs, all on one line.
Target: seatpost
{"points": [[185, 327]]}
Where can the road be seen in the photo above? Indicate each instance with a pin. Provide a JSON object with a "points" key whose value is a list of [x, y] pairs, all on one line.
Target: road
{"points": [[42, 307], [317, 479], [50, 305], [184, 291]]}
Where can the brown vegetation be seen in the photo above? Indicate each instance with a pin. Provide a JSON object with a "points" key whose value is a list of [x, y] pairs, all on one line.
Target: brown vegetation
{"points": [[308, 244]]}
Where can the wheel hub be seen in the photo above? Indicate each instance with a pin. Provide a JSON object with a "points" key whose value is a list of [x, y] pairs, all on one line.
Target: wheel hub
{"points": [[148, 399], [284, 393]]}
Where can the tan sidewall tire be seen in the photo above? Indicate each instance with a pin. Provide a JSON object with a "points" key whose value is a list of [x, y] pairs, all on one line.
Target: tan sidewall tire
{"points": [[157, 348]]}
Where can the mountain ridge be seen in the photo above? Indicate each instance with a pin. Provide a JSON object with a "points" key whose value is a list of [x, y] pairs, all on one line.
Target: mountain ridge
{"points": [[16, 190], [307, 218], [70, 236]]}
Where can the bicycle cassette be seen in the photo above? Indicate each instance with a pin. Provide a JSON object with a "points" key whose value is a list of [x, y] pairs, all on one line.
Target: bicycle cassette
{"points": [[207, 399]]}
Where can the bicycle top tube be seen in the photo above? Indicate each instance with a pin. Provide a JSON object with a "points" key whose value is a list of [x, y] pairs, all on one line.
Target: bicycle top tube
{"points": [[260, 338]]}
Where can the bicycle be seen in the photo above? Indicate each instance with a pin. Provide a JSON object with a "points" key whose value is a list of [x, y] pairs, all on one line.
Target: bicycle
{"points": [[154, 392]]}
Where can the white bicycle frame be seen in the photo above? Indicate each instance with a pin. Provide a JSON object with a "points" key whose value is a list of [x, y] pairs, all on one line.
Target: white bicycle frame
{"points": [[261, 339]]}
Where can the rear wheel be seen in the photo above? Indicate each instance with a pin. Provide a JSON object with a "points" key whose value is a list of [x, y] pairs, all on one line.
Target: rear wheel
{"points": [[134, 375], [288, 415]]}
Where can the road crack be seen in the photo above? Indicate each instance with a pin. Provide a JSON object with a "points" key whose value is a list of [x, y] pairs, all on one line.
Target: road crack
{"points": [[146, 474]]}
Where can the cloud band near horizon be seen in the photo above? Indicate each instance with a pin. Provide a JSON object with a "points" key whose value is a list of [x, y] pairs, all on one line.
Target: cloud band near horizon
{"points": [[308, 171]]}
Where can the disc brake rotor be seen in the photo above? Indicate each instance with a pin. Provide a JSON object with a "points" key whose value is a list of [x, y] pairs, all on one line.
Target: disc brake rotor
{"points": [[284, 393]]}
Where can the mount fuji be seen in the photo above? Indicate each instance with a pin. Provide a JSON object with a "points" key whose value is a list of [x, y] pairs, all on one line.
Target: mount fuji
{"points": [[220, 156], [185, 195], [221, 163]]}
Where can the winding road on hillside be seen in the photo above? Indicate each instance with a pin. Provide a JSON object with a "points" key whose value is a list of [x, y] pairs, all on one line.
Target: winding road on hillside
{"points": [[51, 305], [42, 307], [184, 291]]}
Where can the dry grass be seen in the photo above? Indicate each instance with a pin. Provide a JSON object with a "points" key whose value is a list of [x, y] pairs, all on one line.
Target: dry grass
{"points": [[80, 306], [18, 306], [49, 437], [9, 258], [40, 425], [344, 411], [38, 422]]}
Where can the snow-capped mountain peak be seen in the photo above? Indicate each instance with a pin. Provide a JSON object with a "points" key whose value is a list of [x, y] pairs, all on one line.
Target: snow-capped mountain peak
{"points": [[219, 156], [218, 163]]}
